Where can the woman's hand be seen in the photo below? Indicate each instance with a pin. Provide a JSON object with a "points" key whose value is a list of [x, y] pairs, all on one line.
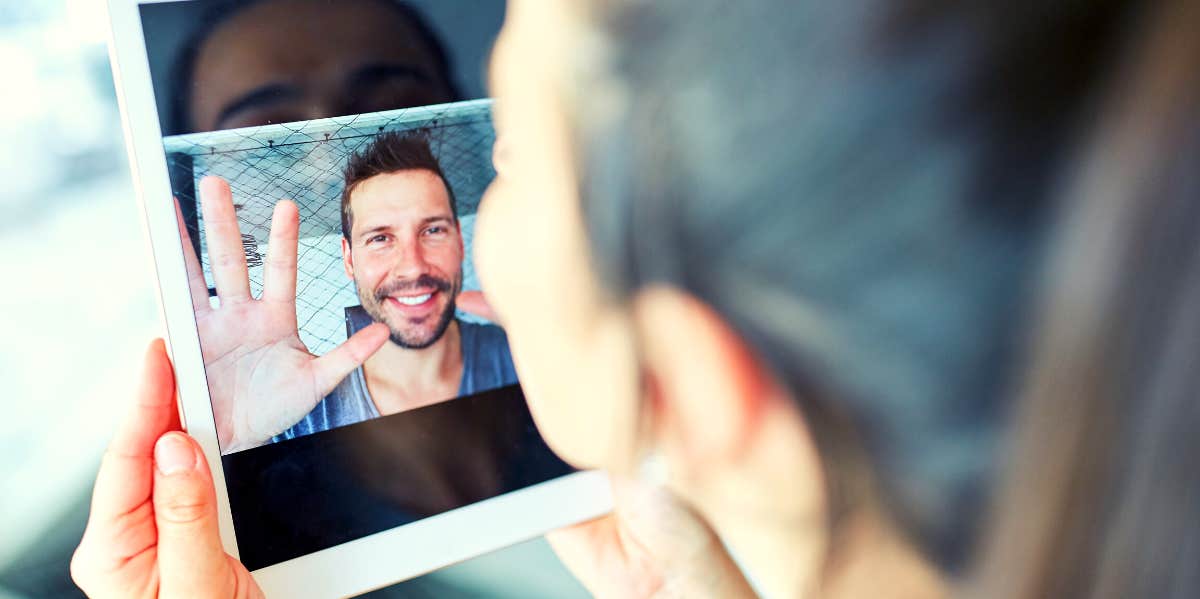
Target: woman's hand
{"points": [[152, 531], [650, 546]]}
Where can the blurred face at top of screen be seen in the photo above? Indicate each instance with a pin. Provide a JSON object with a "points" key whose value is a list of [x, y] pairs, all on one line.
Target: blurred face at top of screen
{"points": [[279, 61]]}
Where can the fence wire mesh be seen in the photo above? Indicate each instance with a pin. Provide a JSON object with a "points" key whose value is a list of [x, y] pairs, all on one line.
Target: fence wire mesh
{"points": [[303, 162]]}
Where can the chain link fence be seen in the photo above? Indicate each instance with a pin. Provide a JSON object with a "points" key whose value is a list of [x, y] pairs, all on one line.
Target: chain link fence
{"points": [[303, 162]]}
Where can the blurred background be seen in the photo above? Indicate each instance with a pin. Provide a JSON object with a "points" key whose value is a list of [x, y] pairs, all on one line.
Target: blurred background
{"points": [[78, 308]]}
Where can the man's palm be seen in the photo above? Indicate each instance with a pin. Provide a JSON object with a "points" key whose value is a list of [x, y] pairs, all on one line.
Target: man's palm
{"points": [[251, 352], [261, 376]]}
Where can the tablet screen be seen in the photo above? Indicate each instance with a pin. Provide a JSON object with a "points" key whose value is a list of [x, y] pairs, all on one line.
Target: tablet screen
{"points": [[369, 116]]}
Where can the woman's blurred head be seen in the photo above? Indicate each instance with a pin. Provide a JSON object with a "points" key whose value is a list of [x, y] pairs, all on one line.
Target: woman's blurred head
{"points": [[784, 245]]}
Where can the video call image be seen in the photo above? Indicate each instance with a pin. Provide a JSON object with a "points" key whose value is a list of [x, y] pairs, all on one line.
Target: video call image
{"points": [[375, 129], [386, 205]]}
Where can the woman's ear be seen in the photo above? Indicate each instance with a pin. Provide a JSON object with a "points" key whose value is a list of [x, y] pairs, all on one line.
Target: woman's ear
{"points": [[736, 445], [708, 390]]}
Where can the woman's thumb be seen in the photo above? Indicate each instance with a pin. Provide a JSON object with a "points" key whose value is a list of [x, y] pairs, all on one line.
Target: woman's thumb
{"points": [[191, 560]]}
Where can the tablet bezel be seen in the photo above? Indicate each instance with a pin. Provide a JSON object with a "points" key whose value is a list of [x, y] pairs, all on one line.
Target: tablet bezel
{"points": [[363, 564]]}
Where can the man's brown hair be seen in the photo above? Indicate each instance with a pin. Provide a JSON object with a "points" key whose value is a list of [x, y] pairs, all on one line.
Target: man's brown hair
{"points": [[390, 152]]}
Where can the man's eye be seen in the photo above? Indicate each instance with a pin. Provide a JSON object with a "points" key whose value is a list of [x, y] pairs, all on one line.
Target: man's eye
{"points": [[378, 239], [435, 230]]}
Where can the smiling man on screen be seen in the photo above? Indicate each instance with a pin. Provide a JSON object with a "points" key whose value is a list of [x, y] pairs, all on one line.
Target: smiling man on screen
{"points": [[403, 248]]}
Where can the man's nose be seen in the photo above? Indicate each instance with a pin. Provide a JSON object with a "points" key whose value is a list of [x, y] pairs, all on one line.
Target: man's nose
{"points": [[410, 260]]}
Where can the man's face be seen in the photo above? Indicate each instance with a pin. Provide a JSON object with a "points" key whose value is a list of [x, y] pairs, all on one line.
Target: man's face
{"points": [[405, 254], [291, 60]]}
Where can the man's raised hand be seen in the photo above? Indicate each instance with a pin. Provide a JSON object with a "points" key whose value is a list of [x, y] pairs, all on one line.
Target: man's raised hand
{"points": [[261, 376]]}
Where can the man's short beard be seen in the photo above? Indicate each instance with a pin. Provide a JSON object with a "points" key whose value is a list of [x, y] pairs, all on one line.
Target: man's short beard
{"points": [[443, 324], [375, 308]]}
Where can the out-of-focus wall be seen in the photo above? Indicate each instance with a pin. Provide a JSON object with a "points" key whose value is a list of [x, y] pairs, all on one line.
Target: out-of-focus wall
{"points": [[76, 304]]}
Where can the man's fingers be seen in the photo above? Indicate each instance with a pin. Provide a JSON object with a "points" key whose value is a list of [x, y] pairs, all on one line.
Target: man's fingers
{"points": [[474, 302], [191, 561], [196, 283], [124, 479], [225, 252], [279, 274], [331, 368]]}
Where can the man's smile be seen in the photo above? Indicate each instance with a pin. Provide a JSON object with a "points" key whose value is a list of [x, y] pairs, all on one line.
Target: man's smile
{"points": [[405, 303], [414, 300]]}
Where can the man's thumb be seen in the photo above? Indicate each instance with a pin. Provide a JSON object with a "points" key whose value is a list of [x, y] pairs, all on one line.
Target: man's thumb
{"points": [[329, 369], [190, 557]]}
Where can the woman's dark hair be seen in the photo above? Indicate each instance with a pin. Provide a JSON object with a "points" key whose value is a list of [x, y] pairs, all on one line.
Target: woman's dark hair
{"points": [[180, 82], [861, 189], [1103, 495]]}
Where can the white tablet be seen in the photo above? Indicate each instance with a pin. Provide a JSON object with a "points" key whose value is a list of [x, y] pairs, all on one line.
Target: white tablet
{"points": [[369, 117]]}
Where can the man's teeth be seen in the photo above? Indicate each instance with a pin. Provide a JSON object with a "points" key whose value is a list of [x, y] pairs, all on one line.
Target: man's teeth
{"points": [[415, 300]]}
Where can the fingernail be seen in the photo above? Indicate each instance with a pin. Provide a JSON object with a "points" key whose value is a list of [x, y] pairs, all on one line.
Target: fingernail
{"points": [[173, 454]]}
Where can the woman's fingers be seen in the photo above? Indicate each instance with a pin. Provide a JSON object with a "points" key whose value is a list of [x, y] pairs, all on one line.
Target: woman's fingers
{"points": [[226, 255], [593, 552], [124, 478], [652, 544], [191, 560], [279, 274], [124, 483]]}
